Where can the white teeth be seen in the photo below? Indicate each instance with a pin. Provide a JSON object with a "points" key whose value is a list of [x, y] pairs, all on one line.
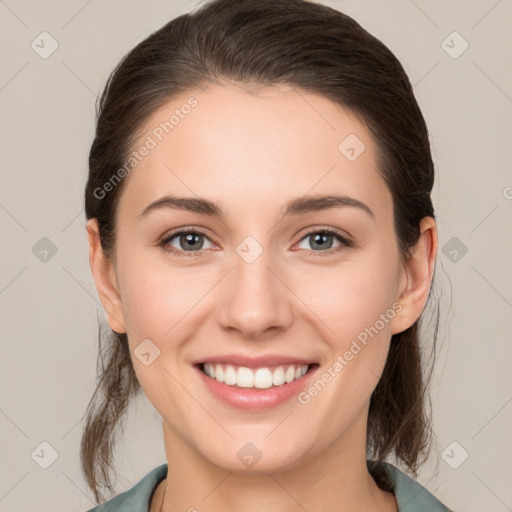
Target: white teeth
{"points": [[278, 376], [244, 378], [261, 378], [219, 373], [229, 376]]}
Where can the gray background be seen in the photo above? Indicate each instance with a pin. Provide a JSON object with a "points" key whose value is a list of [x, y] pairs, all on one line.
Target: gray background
{"points": [[48, 302]]}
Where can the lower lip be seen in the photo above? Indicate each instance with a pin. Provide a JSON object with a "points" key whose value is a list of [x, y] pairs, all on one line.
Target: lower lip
{"points": [[253, 399]]}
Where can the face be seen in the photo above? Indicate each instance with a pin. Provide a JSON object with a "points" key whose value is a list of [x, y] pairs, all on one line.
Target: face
{"points": [[316, 282]]}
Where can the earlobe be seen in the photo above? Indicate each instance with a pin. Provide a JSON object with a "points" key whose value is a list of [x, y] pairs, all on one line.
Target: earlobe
{"points": [[417, 272], [102, 269]]}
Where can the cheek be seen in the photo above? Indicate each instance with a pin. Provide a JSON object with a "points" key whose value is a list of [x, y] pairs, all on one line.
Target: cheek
{"points": [[158, 304], [156, 297], [354, 313], [351, 298]]}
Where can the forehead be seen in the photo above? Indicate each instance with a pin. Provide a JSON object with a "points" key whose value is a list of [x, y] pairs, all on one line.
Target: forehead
{"points": [[239, 147]]}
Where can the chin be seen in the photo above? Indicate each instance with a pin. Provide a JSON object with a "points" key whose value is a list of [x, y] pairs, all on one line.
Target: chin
{"points": [[253, 457]]}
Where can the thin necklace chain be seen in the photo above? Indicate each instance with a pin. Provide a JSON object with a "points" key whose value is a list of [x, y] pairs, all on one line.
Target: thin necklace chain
{"points": [[163, 498]]}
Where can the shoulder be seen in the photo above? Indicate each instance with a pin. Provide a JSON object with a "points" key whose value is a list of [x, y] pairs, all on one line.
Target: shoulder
{"points": [[411, 495], [137, 498]]}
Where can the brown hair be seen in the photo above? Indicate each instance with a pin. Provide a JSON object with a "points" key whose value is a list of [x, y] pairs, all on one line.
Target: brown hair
{"points": [[316, 49]]}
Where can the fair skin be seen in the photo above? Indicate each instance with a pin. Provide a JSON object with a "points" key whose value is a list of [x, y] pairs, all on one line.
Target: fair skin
{"points": [[251, 154]]}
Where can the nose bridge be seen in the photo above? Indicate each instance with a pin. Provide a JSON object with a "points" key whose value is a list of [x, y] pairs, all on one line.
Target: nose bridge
{"points": [[254, 299]]}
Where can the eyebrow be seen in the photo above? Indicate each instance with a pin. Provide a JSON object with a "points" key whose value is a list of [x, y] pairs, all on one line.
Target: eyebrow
{"points": [[294, 207]]}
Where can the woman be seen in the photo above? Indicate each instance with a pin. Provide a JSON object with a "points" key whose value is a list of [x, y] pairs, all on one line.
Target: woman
{"points": [[263, 242]]}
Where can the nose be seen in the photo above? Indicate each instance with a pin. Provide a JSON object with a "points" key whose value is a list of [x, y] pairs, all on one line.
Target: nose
{"points": [[255, 300]]}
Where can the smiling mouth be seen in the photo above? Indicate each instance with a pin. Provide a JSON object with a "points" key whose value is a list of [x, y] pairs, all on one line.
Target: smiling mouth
{"points": [[256, 378]]}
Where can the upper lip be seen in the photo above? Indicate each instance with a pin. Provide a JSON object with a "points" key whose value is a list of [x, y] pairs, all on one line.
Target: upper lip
{"points": [[254, 362]]}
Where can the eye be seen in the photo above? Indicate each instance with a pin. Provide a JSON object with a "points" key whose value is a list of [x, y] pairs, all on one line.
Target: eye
{"points": [[187, 241], [190, 242], [323, 240]]}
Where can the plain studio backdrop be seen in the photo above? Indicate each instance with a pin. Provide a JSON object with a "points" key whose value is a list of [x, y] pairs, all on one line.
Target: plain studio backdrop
{"points": [[457, 55]]}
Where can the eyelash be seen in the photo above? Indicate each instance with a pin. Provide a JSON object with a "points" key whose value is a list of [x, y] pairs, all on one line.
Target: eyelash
{"points": [[344, 242]]}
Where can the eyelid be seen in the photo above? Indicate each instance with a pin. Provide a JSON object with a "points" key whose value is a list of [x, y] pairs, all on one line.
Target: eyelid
{"points": [[345, 241], [182, 230], [166, 237], [327, 229]]}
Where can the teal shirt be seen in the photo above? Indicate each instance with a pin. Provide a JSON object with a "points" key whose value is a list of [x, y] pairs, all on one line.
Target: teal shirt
{"points": [[410, 495]]}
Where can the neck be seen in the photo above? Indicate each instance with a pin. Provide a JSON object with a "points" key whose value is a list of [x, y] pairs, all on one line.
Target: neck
{"points": [[334, 479]]}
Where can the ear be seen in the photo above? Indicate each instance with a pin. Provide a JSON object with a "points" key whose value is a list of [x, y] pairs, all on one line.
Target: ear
{"points": [[417, 273], [103, 272]]}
